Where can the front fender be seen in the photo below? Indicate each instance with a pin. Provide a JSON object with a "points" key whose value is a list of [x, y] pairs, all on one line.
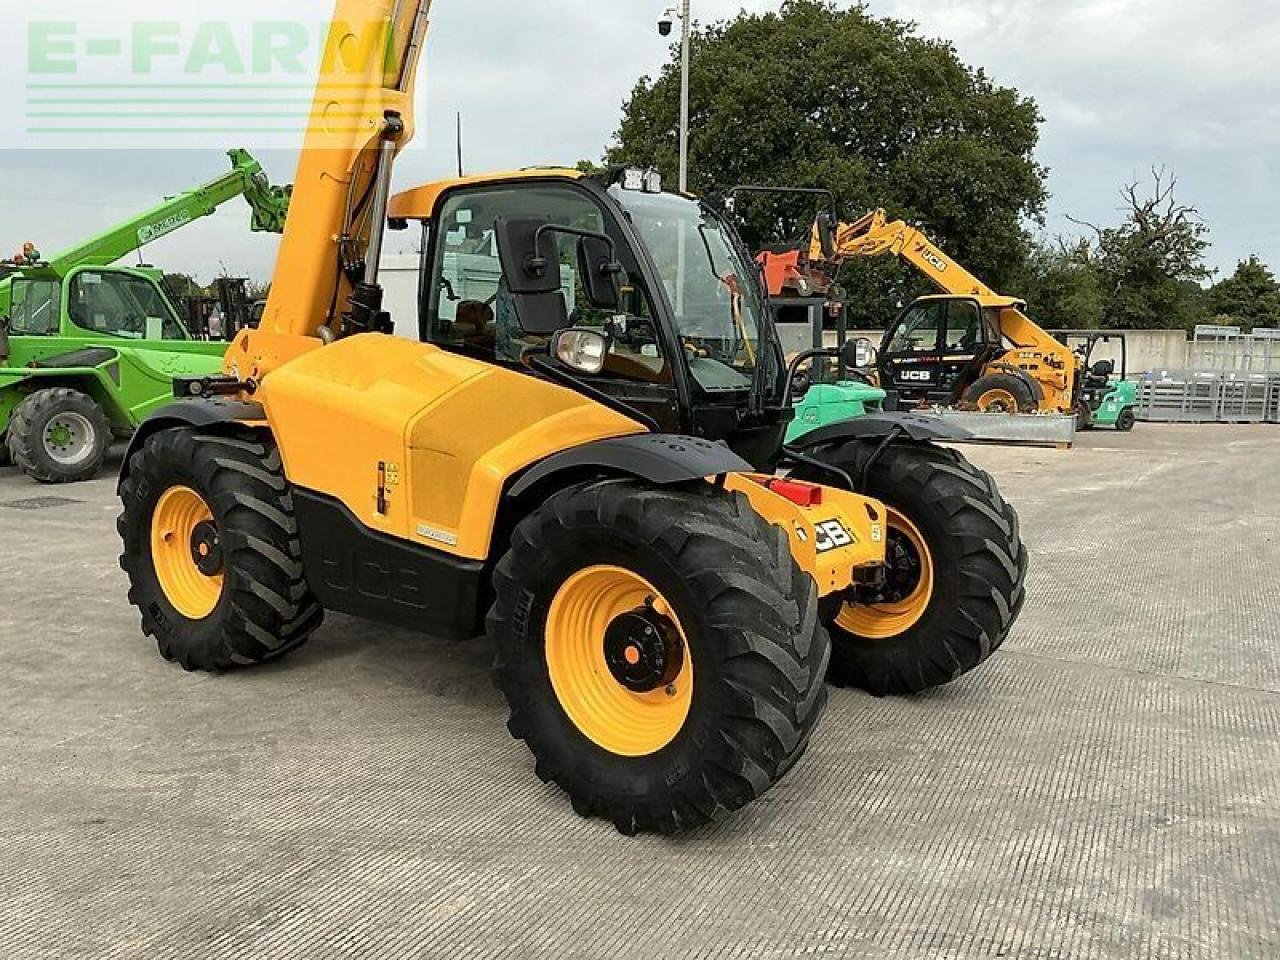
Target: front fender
{"points": [[663, 459], [875, 426], [202, 412]]}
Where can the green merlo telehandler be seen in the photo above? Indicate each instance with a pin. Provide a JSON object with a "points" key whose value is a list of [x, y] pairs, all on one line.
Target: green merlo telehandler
{"points": [[88, 349]]}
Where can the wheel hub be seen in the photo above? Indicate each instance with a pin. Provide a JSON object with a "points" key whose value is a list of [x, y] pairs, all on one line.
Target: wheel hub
{"points": [[68, 439], [644, 650], [902, 568], [206, 548]]}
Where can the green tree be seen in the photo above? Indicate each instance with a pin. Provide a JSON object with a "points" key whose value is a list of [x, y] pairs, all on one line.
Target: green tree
{"points": [[182, 285], [1062, 287], [1250, 297], [1152, 265], [818, 95]]}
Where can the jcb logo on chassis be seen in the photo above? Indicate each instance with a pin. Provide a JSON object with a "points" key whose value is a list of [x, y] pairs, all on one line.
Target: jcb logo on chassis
{"points": [[832, 535]]}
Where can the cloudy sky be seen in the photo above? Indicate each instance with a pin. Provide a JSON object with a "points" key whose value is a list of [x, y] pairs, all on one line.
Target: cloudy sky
{"points": [[1123, 85]]}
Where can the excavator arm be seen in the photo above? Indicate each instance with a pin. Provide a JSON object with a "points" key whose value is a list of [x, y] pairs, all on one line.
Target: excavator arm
{"points": [[325, 282]]}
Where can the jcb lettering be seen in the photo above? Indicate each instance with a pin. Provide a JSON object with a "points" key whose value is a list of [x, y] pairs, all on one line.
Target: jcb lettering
{"points": [[832, 535]]}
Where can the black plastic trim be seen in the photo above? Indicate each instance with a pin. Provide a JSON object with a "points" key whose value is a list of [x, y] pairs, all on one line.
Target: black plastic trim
{"points": [[659, 458], [352, 569], [84, 357]]}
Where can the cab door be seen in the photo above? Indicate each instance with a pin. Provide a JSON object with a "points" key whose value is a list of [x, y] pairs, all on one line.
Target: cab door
{"points": [[911, 361], [967, 347], [467, 306]]}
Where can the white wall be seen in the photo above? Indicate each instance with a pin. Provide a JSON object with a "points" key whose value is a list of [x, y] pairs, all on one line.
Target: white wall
{"points": [[399, 279], [1148, 349]]}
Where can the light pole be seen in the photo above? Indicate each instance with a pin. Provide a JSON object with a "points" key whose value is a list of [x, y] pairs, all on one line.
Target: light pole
{"points": [[664, 28]]}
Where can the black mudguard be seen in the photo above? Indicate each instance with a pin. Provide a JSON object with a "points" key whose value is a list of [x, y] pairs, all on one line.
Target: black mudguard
{"points": [[191, 413], [659, 458], [874, 426]]}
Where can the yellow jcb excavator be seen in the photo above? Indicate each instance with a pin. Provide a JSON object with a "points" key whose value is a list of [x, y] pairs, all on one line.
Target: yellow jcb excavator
{"points": [[969, 347], [585, 445]]}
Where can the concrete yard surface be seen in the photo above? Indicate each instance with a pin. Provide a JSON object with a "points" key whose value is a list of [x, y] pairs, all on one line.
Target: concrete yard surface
{"points": [[1107, 786]]}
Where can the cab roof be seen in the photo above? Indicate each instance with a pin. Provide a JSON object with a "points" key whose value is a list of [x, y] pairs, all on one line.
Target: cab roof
{"points": [[420, 202]]}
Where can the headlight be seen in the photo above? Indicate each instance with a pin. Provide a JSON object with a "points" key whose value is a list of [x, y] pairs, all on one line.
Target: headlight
{"points": [[581, 349]]}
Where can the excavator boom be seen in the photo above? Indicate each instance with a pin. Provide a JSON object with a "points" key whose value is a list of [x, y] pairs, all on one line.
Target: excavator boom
{"points": [[326, 272]]}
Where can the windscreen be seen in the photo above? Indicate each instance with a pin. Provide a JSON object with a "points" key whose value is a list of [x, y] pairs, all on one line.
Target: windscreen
{"points": [[711, 286]]}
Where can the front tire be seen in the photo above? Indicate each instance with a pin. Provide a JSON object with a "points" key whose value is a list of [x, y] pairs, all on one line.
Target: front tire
{"points": [[1000, 393], [212, 552], [957, 571], [660, 651], [59, 435]]}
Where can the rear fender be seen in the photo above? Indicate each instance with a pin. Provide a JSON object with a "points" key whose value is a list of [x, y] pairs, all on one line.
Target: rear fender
{"points": [[921, 427]]}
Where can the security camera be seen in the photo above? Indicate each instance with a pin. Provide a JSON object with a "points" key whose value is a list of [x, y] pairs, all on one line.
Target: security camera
{"points": [[667, 23]]}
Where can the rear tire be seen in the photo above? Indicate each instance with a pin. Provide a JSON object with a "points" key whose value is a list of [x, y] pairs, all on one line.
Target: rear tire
{"points": [[1127, 420], [252, 604], [59, 435], [1000, 393], [749, 618], [976, 562]]}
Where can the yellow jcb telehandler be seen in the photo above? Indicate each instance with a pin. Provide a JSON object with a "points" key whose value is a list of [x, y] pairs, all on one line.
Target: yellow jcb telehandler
{"points": [[968, 347], [586, 445]]}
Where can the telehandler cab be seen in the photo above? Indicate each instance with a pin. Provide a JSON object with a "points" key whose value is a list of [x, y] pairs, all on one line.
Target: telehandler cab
{"points": [[585, 446]]}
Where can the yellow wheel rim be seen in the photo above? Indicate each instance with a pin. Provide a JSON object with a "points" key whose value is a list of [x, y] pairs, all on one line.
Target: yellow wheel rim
{"points": [[180, 527], [613, 716], [885, 620], [998, 400]]}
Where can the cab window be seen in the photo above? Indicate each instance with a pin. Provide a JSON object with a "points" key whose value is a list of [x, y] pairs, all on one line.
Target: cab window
{"points": [[964, 327], [122, 305], [35, 307], [919, 329], [468, 305]]}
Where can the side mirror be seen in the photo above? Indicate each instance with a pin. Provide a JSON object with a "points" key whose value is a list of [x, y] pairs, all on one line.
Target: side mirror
{"points": [[600, 271], [851, 354], [826, 239], [530, 260], [867, 352], [529, 255]]}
